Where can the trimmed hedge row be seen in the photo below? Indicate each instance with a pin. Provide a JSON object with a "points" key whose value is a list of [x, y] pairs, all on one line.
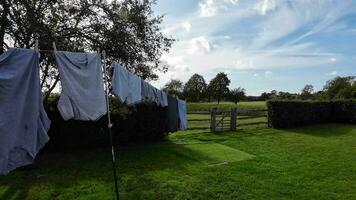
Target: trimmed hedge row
{"points": [[287, 114], [142, 123]]}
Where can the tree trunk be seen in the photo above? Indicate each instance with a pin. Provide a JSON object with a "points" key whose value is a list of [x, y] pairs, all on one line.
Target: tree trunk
{"points": [[48, 93], [4, 24]]}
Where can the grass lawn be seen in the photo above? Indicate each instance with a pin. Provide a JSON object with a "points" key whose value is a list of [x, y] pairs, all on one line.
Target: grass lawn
{"points": [[315, 162], [206, 106]]}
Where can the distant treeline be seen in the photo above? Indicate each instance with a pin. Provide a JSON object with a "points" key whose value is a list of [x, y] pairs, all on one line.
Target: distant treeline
{"points": [[196, 89]]}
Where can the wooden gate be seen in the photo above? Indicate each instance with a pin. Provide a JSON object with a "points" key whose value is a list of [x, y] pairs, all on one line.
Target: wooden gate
{"points": [[223, 121]]}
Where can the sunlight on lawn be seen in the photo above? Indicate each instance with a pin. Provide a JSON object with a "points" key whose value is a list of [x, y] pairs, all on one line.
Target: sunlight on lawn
{"points": [[213, 153]]}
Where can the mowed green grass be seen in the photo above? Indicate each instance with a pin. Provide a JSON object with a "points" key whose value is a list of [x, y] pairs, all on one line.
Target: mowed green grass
{"points": [[314, 162], [225, 106]]}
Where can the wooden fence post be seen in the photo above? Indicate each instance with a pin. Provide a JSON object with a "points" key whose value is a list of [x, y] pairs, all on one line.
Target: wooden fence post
{"points": [[213, 120], [233, 119]]}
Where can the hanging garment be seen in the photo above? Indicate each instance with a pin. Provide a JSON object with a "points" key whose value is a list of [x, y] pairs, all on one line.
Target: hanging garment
{"points": [[135, 89], [126, 85], [83, 95], [23, 120], [182, 110], [172, 114], [148, 92], [162, 98], [157, 95], [120, 82]]}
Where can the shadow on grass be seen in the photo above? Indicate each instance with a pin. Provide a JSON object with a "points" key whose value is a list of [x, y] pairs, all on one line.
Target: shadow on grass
{"points": [[323, 130], [143, 170], [16, 183], [14, 193], [54, 174], [164, 170]]}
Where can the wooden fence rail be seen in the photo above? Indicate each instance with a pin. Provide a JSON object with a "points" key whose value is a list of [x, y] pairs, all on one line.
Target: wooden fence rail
{"points": [[227, 120]]}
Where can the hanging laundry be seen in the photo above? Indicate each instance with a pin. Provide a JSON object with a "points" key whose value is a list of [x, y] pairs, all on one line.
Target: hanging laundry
{"points": [[23, 121], [126, 85], [83, 95], [148, 92], [182, 111], [152, 94], [120, 82], [162, 98], [157, 95], [172, 114]]}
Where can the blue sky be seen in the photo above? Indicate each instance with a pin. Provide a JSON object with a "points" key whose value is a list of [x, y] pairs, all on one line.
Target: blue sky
{"points": [[261, 44]]}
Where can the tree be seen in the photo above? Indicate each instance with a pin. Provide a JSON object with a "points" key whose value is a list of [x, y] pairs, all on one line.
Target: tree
{"points": [[340, 88], [195, 88], [127, 30], [269, 95], [307, 92], [287, 95], [174, 87], [218, 86], [237, 95]]}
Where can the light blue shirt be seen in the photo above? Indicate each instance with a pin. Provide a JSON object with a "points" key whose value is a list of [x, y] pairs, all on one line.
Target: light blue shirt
{"points": [[182, 112], [23, 120], [83, 94], [126, 86]]}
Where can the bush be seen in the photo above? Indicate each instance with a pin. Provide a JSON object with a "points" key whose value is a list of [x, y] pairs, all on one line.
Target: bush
{"points": [[141, 123], [286, 114]]}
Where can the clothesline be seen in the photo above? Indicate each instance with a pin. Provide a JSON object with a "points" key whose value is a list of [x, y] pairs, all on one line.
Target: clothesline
{"points": [[82, 81], [55, 50], [126, 86]]}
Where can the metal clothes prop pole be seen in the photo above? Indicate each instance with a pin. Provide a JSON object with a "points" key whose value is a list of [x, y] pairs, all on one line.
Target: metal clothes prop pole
{"points": [[110, 126]]}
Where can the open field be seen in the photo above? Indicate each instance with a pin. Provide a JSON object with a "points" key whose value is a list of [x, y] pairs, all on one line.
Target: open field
{"points": [[315, 162], [207, 106]]}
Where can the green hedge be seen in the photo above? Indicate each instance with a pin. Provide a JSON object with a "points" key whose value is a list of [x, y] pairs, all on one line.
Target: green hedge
{"points": [[286, 114], [144, 122]]}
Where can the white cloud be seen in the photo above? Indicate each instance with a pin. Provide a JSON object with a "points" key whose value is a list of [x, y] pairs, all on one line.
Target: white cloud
{"points": [[243, 64], [265, 5], [210, 8], [207, 8], [273, 27], [177, 27], [232, 2], [238, 38], [333, 73], [173, 61], [321, 14], [187, 26], [227, 37], [199, 45], [268, 73]]}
